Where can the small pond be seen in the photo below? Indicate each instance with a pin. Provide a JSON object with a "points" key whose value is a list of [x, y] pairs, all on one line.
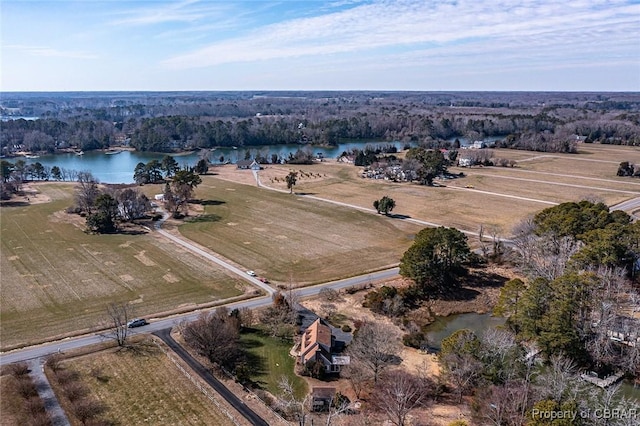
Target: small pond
{"points": [[443, 327]]}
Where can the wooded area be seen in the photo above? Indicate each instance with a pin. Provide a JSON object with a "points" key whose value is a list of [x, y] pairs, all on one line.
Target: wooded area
{"points": [[169, 122]]}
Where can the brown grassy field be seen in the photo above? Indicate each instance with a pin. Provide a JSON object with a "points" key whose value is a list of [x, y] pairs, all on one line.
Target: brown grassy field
{"points": [[285, 237], [144, 387], [544, 179], [57, 279]]}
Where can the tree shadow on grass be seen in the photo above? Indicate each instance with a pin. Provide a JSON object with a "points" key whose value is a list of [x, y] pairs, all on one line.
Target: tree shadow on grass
{"points": [[9, 203], [131, 232], [208, 202], [204, 218], [399, 216]]}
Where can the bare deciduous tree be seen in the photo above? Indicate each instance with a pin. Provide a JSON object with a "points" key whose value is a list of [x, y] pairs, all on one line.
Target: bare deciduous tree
{"points": [[375, 346], [559, 381], [295, 407], [462, 371], [215, 336], [399, 393], [87, 192], [358, 377], [119, 315]]}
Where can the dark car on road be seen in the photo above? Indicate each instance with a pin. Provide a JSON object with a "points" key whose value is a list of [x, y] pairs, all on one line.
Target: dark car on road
{"points": [[138, 322]]}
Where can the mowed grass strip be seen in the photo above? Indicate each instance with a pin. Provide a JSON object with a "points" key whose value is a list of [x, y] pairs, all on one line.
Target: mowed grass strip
{"points": [[272, 362], [145, 388], [288, 238], [57, 279], [541, 187]]}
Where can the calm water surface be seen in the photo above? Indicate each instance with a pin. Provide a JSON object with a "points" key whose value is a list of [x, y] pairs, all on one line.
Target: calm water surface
{"points": [[118, 168]]}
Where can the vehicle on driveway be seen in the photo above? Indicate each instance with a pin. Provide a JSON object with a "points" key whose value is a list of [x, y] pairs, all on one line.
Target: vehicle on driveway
{"points": [[138, 322]]}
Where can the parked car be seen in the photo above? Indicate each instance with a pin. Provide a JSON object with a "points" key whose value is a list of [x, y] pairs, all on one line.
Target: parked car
{"points": [[138, 322], [264, 280], [253, 274]]}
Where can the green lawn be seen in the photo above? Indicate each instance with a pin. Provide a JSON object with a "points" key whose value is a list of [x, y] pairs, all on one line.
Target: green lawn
{"points": [[57, 279], [288, 238], [272, 359]]}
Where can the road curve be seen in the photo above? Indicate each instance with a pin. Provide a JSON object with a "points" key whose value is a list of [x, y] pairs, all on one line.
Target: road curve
{"points": [[230, 397]]}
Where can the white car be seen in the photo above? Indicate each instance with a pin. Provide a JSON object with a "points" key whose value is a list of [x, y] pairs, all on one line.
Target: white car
{"points": [[253, 274]]}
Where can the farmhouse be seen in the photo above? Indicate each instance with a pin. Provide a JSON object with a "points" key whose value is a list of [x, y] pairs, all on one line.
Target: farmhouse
{"points": [[248, 164], [319, 344]]}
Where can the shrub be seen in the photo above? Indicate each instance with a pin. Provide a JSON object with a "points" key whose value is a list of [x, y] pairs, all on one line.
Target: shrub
{"points": [[346, 328], [88, 408], [18, 370], [54, 362], [34, 406], [66, 376], [414, 339], [25, 387], [75, 391]]}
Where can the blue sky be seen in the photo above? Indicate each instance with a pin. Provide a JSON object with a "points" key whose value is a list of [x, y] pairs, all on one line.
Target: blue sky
{"points": [[320, 45]]}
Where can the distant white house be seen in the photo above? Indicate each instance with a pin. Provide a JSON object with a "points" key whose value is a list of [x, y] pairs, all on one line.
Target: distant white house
{"points": [[479, 144], [159, 197], [248, 165], [464, 162]]}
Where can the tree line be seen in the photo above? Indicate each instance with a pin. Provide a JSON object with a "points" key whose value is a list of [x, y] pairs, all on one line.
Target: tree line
{"points": [[244, 122]]}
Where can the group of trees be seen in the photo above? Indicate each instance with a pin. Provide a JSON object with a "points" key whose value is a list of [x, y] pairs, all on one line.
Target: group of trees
{"points": [[426, 163], [155, 171], [580, 260], [105, 207], [384, 205], [13, 175], [169, 123], [628, 169], [508, 388], [436, 260]]}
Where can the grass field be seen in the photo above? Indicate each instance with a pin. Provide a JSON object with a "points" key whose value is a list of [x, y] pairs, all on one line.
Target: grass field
{"points": [[57, 279], [285, 237], [145, 388], [542, 178], [274, 360]]}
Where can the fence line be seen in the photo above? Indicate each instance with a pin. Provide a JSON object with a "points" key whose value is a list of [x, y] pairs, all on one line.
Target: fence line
{"points": [[199, 385]]}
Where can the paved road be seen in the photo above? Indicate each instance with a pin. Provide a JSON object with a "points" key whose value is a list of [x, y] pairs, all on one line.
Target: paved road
{"points": [[190, 246], [159, 324], [230, 397], [629, 206]]}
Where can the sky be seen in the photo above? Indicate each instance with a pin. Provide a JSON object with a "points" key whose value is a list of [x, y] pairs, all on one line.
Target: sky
{"points": [[418, 45]]}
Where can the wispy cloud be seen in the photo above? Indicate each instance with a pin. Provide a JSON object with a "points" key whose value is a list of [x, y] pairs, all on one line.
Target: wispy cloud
{"points": [[50, 52], [187, 11], [428, 25]]}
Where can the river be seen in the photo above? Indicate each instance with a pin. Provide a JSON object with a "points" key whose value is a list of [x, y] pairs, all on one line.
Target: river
{"points": [[118, 168]]}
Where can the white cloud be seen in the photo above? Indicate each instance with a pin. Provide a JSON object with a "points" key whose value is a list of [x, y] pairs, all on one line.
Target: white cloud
{"points": [[50, 52], [425, 25]]}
